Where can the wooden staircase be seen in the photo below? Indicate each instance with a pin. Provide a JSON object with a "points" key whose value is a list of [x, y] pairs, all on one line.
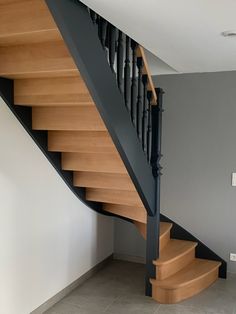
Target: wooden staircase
{"points": [[34, 55]]}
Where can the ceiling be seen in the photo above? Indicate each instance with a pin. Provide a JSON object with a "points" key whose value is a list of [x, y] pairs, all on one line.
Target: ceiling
{"points": [[183, 36]]}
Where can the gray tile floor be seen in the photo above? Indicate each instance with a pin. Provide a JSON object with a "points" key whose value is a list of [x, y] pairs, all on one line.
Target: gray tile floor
{"points": [[119, 289]]}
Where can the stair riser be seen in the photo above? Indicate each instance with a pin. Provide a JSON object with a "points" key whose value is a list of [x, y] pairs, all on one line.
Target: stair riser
{"points": [[138, 214], [81, 142], [35, 60], [113, 197], [103, 180], [26, 21], [164, 240], [168, 269], [171, 296], [67, 119], [92, 163], [112, 200], [52, 91]]}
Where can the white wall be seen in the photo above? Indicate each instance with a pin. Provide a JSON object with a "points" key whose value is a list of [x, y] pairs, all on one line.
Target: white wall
{"points": [[48, 238]]}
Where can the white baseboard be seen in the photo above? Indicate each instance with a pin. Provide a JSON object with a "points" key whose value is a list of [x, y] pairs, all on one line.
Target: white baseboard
{"points": [[60, 295]]}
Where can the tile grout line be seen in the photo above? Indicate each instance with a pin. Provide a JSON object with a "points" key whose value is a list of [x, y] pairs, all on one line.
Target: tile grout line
{"points": [[157, 310], [109, 305]]}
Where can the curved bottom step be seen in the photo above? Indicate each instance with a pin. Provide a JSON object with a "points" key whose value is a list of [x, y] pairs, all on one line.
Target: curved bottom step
{"points": [[188, 282]]}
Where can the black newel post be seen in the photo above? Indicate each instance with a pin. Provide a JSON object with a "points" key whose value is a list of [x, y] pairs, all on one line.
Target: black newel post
{"points": [[153, 222]]}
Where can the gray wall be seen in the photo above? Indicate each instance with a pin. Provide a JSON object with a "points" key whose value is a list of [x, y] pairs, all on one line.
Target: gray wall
{"points": [[128, 243], [199, 147]]}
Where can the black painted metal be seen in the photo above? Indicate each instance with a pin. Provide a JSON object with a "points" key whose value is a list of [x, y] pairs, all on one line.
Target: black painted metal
{"points": [[74, 21], [112, 45], [144, 114], [156, 134], [149, 126], [139, 106], [93, 16], [133, 84], [152, 245], [127, 74], [153, 223], [102, 31], [120, 60], [202, 251]]}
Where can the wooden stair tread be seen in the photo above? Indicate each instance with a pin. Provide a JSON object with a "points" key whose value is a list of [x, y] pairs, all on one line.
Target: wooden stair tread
{"points": [[174, 250], [104, 180], [130, 198], [44, 59], [57, 91], [136, 213], [26, 21], [80, 141], [195, 270], [80, 118], [93, 162]]}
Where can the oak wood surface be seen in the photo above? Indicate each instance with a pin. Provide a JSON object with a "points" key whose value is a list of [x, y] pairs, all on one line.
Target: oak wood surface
{"points": [[146, 70], [44, 59], [57, 91], [112, 181], [138, 214], [176, 255], [80, 141], [108, 162], [69, 118], [186, 283], [130, 198], [26, 21]]}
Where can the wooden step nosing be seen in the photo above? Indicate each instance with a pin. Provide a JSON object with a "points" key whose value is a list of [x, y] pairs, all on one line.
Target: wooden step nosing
{"points": [[25, 33], [161, 284], [178, 256], [55, 104]]}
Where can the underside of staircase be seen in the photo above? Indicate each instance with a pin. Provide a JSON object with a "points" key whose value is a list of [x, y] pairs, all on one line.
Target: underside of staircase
{"points": [[52, 97]]}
